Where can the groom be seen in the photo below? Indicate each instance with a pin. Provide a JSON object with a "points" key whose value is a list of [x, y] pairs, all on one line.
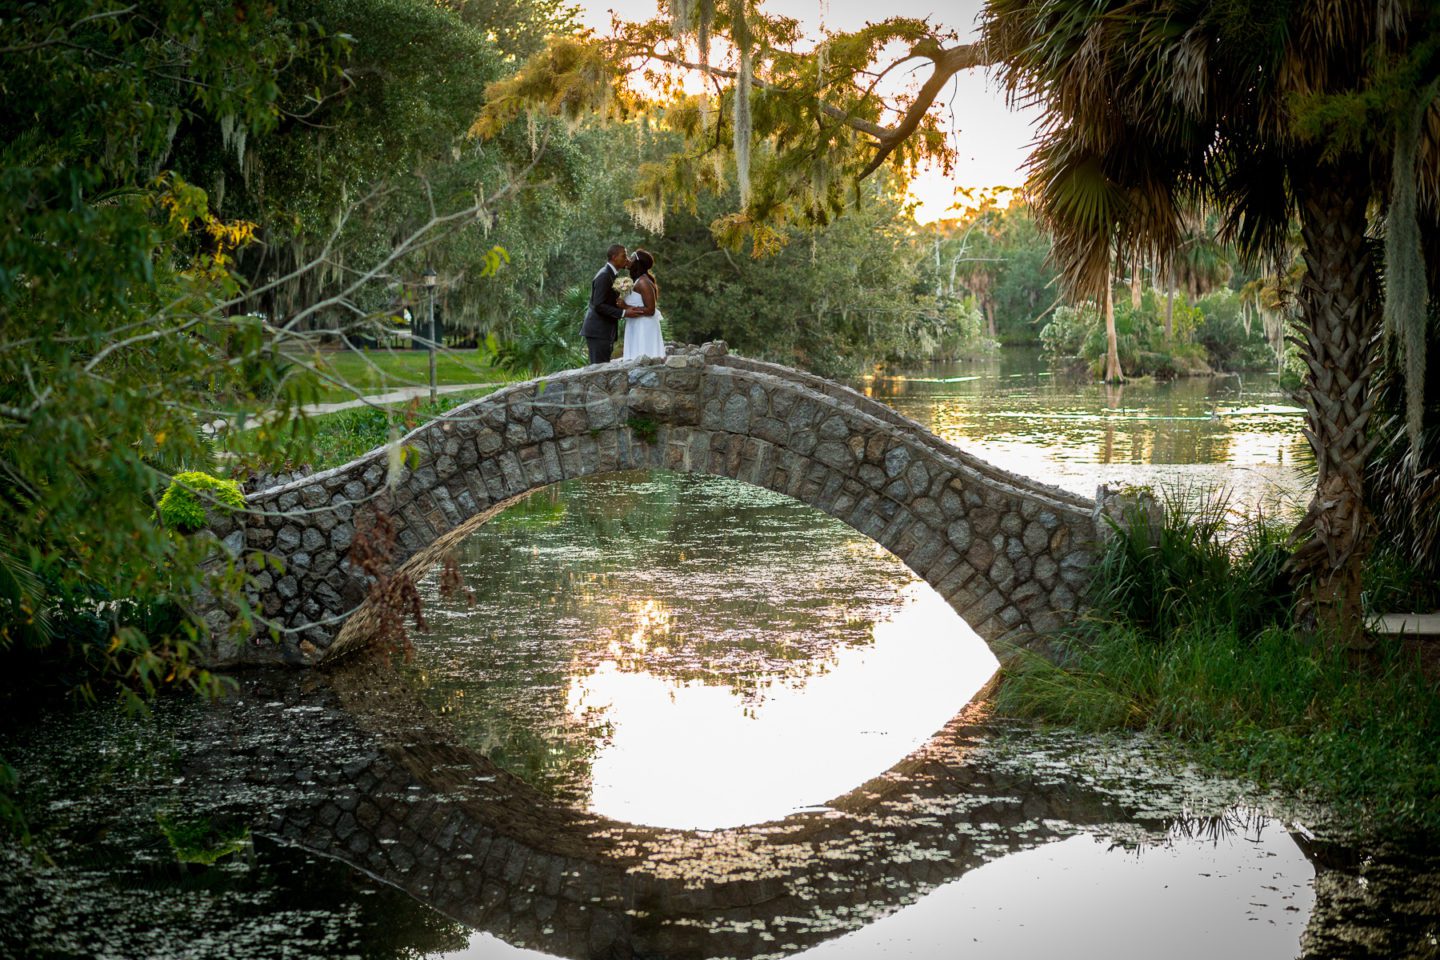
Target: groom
{"points": [[602, 320]]}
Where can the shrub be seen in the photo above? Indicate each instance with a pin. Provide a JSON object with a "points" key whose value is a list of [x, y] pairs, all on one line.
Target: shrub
{"points": [[183, 504], [547, 340]]}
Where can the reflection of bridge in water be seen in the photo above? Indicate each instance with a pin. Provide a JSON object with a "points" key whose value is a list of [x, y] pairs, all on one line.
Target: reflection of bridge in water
{"points": [[366, 775], [1009, 554]]}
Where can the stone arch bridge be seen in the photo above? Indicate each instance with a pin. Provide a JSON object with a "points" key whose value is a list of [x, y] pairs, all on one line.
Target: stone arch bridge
{"points": [[1010, 555]]}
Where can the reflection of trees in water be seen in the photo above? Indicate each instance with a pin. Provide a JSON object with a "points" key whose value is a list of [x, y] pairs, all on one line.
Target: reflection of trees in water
{"points": [[1156, 422], [693, 579]]}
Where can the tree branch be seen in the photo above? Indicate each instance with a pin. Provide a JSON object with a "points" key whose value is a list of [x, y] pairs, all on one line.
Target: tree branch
{"points": [[947, 63]]}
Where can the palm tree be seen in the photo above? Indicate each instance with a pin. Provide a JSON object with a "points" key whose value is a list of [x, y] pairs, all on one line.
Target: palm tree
{"points": [[1263, 113]]}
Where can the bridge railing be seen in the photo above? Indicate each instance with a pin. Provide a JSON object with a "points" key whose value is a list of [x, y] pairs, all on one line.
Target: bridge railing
{"points": [[888, 414]]}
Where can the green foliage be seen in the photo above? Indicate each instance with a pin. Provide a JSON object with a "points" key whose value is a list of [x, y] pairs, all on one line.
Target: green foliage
{"points": [[1403, 487], [832, 301], [1230, 341], [190, 494], [202, 842], [547, 341], [644, 428], [185, 188], [999, 256], [1212, 334], [1160, 574], [1189, 637], [1266, 706], [117, 313], [794, 158]]}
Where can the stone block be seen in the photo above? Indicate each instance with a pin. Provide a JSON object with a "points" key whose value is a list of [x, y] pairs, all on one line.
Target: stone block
{"points": [[834, 454], [959, 533], [1001, 573], [981, 554], [897, 460], [926, 509], [488, 442], [918, 476], [984, 521], [736, 415], [834, 428], [643, 377], [1036, 538]]}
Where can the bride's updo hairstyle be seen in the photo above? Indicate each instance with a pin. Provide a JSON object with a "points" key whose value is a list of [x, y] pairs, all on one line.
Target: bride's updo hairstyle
{"points": [[641, 264]]}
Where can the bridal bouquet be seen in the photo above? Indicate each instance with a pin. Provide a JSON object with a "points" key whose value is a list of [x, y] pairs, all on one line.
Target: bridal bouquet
{"points": [[623, 286]]}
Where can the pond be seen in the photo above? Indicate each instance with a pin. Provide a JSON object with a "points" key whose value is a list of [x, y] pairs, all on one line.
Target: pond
{"points": [[676, 716]]}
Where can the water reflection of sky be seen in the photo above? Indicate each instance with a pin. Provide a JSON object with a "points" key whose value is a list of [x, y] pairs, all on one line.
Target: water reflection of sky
{"points": [[689, 754], [1244, 894], [691, 652], [1085, 898]]}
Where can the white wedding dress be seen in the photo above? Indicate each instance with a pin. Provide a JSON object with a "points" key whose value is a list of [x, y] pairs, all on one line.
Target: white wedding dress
{"points": [[642, 334]]}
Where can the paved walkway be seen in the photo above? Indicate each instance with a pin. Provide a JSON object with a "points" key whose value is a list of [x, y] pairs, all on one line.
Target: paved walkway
{"points": [[402, 395]]}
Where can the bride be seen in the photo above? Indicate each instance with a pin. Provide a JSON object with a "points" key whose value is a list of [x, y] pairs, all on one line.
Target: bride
{"points": [[642, 316]]}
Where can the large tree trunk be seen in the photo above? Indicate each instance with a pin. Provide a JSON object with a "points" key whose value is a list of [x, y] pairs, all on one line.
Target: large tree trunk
{"points": [[1338, 318], [1113, 373]]}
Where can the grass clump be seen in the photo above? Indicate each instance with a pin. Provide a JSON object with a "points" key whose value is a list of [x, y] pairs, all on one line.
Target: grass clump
{"points": [[182, 506], [1189, 636], [644, 428]]}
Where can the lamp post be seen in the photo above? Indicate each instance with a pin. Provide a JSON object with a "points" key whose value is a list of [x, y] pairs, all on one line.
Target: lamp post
{"points": [[429, 277]]}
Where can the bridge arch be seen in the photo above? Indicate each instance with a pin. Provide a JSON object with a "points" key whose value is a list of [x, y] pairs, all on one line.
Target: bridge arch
{"points": [[1010, 555]]}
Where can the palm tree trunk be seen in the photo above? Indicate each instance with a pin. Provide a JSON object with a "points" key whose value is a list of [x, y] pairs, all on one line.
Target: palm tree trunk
{"points": [[1135, 284], [1113, 374], [1338, 318], [1170, 305]]}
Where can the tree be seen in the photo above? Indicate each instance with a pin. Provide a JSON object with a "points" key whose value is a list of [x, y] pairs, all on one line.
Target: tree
{"points": [[1293, 110], [814, 117], [1000, 256], [129, 342], [115, 345]]}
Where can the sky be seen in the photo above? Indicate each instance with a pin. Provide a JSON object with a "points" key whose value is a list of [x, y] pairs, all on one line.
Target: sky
{"points": [[992, 140]]}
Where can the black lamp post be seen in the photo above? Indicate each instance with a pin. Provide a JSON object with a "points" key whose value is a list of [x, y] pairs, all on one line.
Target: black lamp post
{"points": [[429, 277]]}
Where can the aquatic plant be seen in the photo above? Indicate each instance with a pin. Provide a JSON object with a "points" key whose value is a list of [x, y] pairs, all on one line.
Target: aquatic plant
{"points": [[202, 842]]}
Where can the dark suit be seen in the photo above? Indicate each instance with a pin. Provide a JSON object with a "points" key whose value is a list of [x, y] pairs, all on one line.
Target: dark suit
{"points": [[602, 319]]}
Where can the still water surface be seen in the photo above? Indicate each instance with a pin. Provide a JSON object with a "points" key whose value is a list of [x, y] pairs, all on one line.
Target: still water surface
{"points": [[681, 717]]}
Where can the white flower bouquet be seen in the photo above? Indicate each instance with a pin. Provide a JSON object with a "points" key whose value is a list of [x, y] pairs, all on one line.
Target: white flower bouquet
{"points": [[623, 286]]}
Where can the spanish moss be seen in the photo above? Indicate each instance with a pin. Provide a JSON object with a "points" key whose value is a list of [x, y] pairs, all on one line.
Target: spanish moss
{"points": [[1406, 296], [741, 35]]}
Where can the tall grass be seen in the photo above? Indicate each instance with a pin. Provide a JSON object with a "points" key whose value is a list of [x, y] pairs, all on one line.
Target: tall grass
{"points": [[1189, 636]]}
